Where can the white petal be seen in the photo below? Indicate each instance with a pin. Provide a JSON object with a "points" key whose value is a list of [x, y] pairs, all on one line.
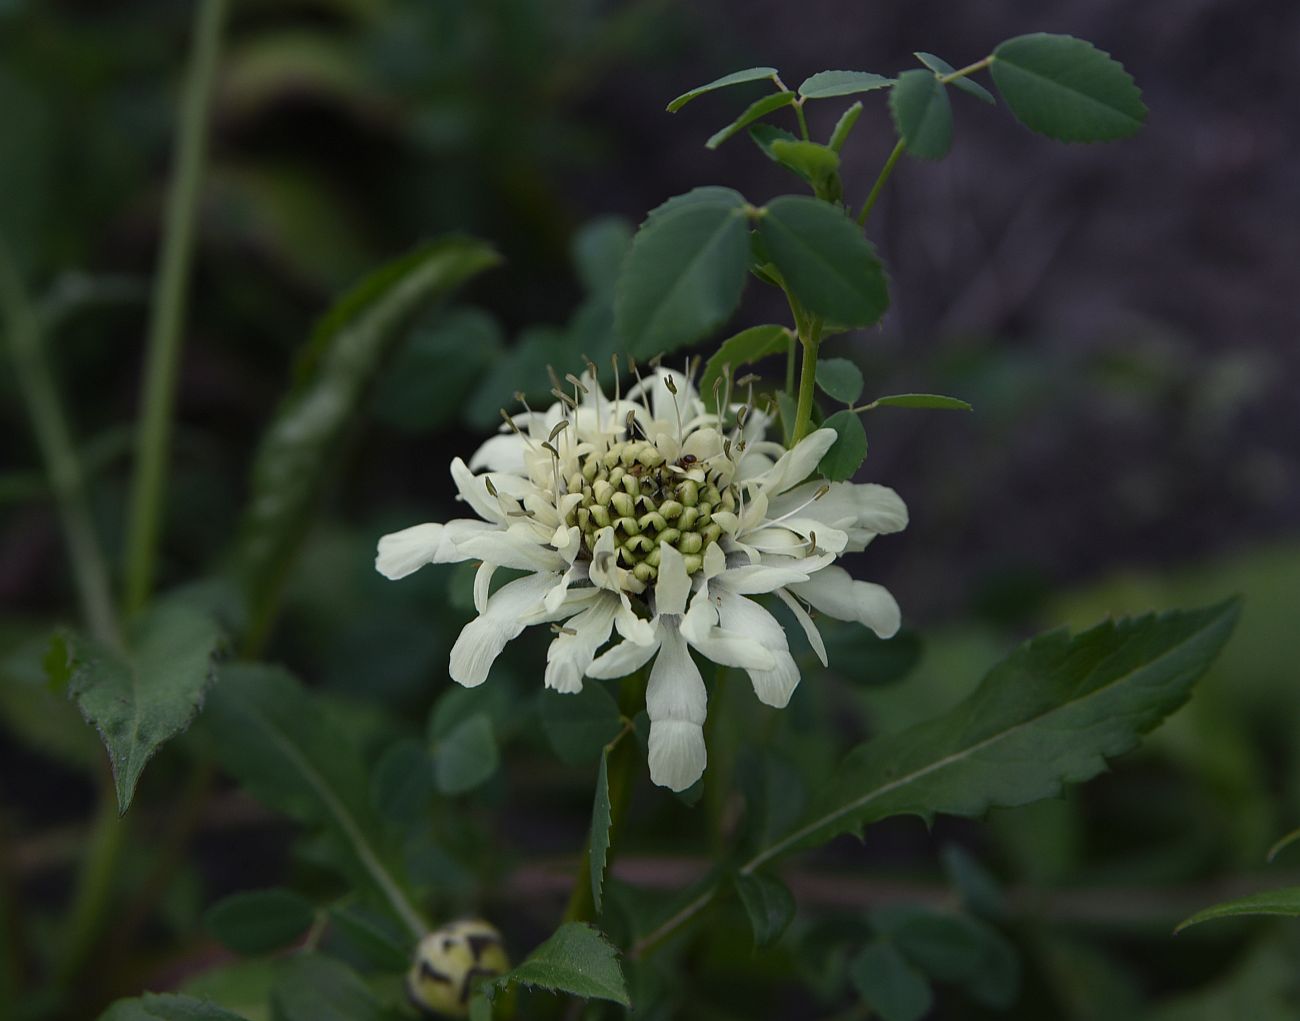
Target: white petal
{"points": [[753, 579], [402, 553], [807, 623], [569, 655], [797, 464], [834, 592], [509, 610], [676, 702], [632, 627], [623, 659], [474, 492], [483, 585], [715, 561], [503, 453], [775, 685], [673, 584], [517, 546], [728, 649]]}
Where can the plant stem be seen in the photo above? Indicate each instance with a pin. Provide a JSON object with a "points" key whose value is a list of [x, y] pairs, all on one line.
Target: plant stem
{"points": [[803, 121], [807, 379], [35, 381], [171, 286], [876, 188], [969, 69], [94, 887]]}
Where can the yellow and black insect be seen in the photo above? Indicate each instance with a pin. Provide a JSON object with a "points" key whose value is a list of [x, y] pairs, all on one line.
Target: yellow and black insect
{"points": [[447, 963]]}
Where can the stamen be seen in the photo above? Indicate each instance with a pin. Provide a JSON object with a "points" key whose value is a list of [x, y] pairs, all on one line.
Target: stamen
{"points": [[492, 490], [560, 629], [577, 383]]}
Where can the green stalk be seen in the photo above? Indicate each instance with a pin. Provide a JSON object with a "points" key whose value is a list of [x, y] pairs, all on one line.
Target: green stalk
{"points": [[807, 381], [171, 286], [879, 186], [36, 383], [94, 888]]}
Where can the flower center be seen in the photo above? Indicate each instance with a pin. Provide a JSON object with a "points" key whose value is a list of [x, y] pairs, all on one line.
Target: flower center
{"points": [[649, 502]]}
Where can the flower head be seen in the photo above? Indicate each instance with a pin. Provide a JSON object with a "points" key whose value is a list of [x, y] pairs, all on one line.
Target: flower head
{"points": [[654, 517]]}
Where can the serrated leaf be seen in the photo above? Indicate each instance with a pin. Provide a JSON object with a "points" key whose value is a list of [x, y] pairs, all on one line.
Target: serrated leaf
{"points": [[1067, 89], [259, 921], [840, 378], [825, 84], [347, 349], [601, 821], [769, 904], [685, 272], [756, 110], [401, 787], [576, 959], [1051, 713], [937, 402], [579, 725], [849, 450], [922, 114], [1284, 901], [167, 1007], [142, 698], [466, 757], [825, 260], [312, 987], [941, 67], [275, 739], [891, 986], [745, 348], [750, 74], [817, 164], [844, 126]]}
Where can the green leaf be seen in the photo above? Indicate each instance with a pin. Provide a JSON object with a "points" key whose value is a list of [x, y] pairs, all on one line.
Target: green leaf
{"points": [[889, 984], [466, 757], [745, 348], [145, 697], [276, 740], [599, 248], [1067, 89], [922, 114], [304, 442], [685, 272], [1283, 844], [259, 921], [769, 904], [1284, 901], [844, 126], [371, 937], [817, 164], [951, 947], [825, 259], [756, 110], [937, 402], [941, 67], [242, 986], [576, 959], [849, 450], [840, 378], [579, 725], [1050, 714], [401, 788], [750, 74], [825, 84], [312, 987], [601, 820], [167, 1007], [980, 891]]}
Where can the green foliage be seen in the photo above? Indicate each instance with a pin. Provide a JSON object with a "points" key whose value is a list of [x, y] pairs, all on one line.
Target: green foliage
{"points": [[922, 114], [745, 348], [466, 756], [313, 987], [755, 111], [768, 903], [347, 350], [401, 788], [848, 452], [1067, 89], [941, 67], [824, 259], [1003, 745], [576, 959], [685, 272], [889, 984], [840, 378], [751, 74], [601, 821], [139, 699], [167, 1007], [259, 921], [1285, 901], [957, 949], [844, 126], [579, 725], [936, 402], [825, 84], [819, 165]]}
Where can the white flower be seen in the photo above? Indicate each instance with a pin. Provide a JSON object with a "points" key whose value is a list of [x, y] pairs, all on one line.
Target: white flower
{"points": [[653, 517]]}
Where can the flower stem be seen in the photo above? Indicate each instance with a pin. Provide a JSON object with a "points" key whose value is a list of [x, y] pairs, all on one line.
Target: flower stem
{"points": [[879, 186], [36, 383], [171, 288], [807, 379], [969, 69]]}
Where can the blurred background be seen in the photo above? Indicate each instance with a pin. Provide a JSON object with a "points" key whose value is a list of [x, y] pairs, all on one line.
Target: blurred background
{"points": [[1123, 318]]}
